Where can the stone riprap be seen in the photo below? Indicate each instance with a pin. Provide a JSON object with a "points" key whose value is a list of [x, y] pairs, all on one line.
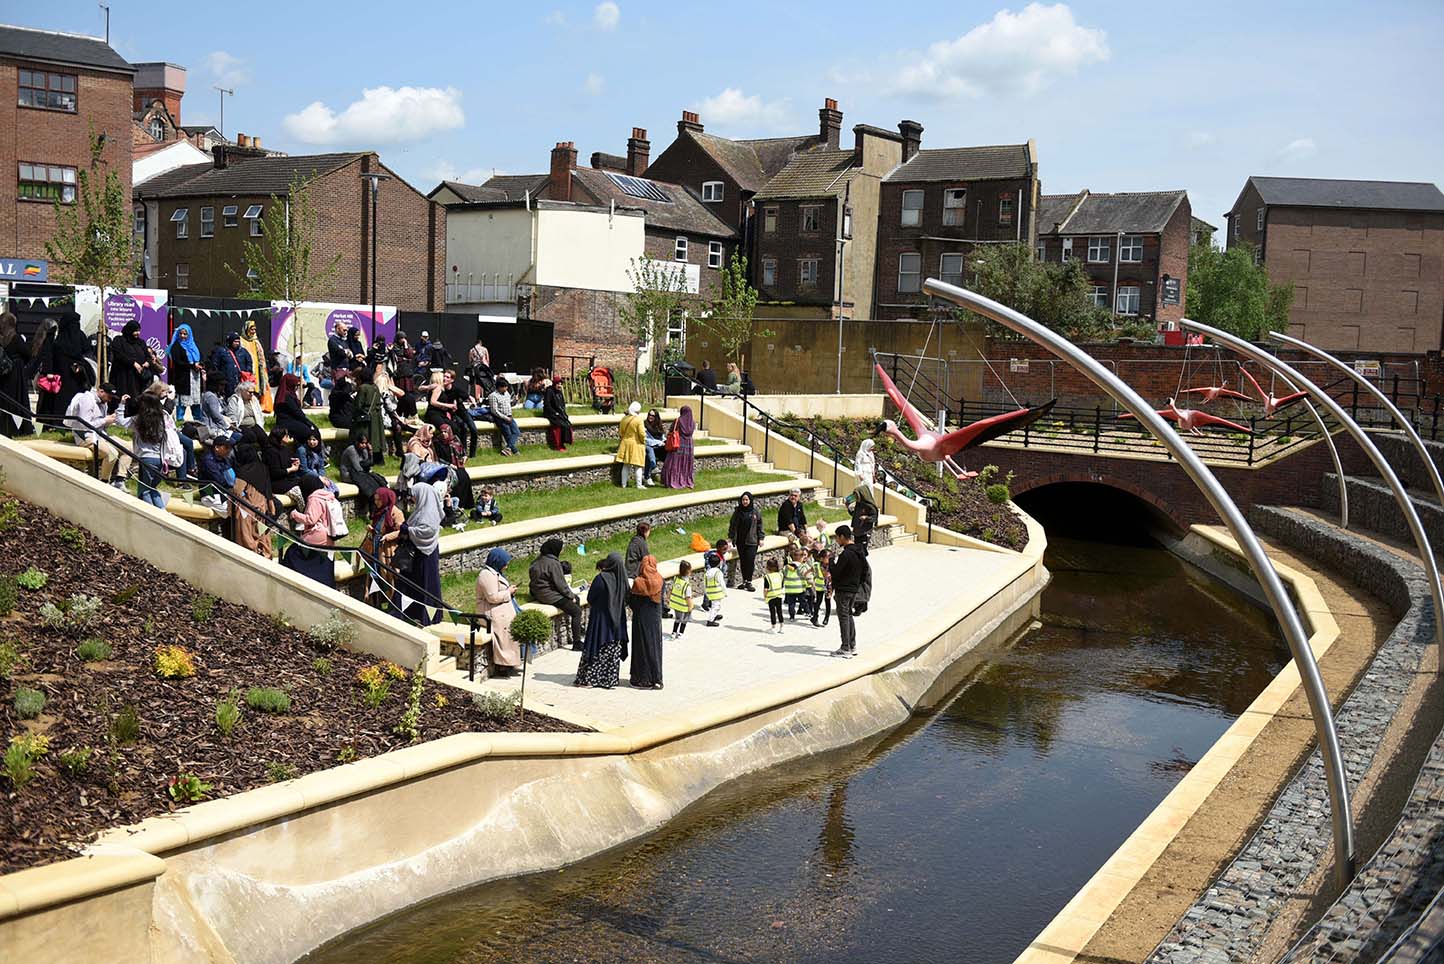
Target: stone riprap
{"points": [[1372, 506], [1230, 921], [1404, 458]]}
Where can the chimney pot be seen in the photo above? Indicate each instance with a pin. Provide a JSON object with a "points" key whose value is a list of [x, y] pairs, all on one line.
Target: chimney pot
{"points": [[256, 143], [564, 161], [830, 104], [912, 138], [689, 122], [639, 152], [829, 120]]}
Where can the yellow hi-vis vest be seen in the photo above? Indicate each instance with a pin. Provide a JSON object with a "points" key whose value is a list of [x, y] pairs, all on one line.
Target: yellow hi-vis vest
{"points": [[772, 585], [716, 584], [818, 580], [792, 582], [680, 598]]}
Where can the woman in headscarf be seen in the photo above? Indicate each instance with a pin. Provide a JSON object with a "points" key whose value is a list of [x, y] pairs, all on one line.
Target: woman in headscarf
{"points": [[251, 342], [386, 519], [679, 470], [420, 444], [864, 464], [279, 456], [232, 361], [646, 605], [559, 424], [864, 519], [342, 403], [289, 414], [251, 497], [548, 585], [656, 438], [315, 532], [605, 645], [369, 415], [130, 363], [186, 373], [421, 583], [67, 360], [494, 598], [744, 530], [14, 386], [632, 449], [637, 550], [452, 454]]}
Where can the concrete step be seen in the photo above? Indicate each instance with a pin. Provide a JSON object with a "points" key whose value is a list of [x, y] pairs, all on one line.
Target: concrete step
{"points": [[446, 664]]}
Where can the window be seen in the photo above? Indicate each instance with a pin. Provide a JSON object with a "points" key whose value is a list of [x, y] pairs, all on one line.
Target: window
{"points": [[252, 274], [769, 219], [807, 272], [1130, 248], [714, 254], [1005, 210], [1258, 255], [912, 208], [140, 220], [40, 88], [181, 219], [811, 217], [1042, 252], [677, 330], [711, 190], [47, 182], [1235, 228], [769, 272], [909, 273], [1099, 296], [1098, 249], [1067, 250], [183, 275], [1127, 300], [253, 212], [1258, 219], [208, 222], [955, 202], [951, 269], [228, 216], [253, 215], [157, 129], [679, 253]]}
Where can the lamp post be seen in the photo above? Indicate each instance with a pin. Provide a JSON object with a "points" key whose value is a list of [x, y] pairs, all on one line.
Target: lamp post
{"points": [[375, 178], [1218, 497], [1381, 464]]}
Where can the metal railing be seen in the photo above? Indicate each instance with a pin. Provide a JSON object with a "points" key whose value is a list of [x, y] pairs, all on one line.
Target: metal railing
{"points": [[489, 288]]}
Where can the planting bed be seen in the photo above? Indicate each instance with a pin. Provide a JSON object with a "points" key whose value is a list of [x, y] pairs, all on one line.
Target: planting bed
{"points": [[233, 649]]}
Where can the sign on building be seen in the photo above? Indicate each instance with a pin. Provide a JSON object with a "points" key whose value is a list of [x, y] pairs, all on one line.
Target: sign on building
{"points": [[1018, 365], [24, 269], [1369, 367], [1172, 291]]}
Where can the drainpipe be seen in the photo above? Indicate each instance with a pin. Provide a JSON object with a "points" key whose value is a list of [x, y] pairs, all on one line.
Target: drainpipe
{"points": [[1218, 497], [1117, 244]]}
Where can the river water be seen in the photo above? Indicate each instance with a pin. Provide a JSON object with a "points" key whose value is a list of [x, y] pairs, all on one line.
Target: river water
{"points": [[956, 837]]}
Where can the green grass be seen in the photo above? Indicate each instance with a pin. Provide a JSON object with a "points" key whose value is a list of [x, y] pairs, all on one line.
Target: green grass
{"points": [[487, 455], [459, 588]]}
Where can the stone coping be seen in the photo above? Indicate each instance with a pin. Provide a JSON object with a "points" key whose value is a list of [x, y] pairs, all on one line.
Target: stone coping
{"points": [[523, 422], [75, 878], [1064, 938]]}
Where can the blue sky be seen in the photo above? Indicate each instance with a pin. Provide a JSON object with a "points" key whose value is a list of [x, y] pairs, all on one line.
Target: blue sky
{"points": [[1119, 96]]}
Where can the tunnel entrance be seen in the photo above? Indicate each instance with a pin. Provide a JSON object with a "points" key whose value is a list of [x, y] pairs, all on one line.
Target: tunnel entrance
{"points": [[1097, 512]]}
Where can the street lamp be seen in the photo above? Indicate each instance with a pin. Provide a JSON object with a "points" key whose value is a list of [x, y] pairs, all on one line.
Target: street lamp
{"points": [[375, 178]]}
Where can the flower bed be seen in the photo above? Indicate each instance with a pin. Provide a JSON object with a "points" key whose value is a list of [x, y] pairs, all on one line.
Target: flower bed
{"points": [[125, 693]]}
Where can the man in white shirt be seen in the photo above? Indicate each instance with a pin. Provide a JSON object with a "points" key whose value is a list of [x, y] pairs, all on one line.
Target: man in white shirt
{"points": [[93, 407]]}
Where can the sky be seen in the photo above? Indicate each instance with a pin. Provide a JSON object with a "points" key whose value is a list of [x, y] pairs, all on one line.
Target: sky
{"points": [[1118, 96]]}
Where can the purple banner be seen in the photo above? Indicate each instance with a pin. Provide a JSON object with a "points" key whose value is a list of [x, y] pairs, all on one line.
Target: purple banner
{"points": [[149, 308], [304, 331]]}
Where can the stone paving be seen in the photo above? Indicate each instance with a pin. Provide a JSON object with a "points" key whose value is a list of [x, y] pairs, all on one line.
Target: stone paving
{"points": [[1230, 921]]}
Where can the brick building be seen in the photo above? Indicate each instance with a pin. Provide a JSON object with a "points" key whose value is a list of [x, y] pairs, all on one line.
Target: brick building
{"points": [[197, 218], [58, 88], [939, 205], [1134, 247], [1365, 258]]}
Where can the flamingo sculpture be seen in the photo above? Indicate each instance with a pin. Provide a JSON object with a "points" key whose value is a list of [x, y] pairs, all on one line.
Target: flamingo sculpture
{"points": [[1212, 393], [934, 446], [1192, 420], [1271, 402]]}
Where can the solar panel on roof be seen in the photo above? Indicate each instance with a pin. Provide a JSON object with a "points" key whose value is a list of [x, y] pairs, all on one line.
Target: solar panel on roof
{"points": [[639, 187]]}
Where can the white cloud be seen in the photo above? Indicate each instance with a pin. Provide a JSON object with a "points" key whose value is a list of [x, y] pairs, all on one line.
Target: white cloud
{"points": [[383, 115], [593, 84], [1014, 53], [445, 170], [606, 16], [732, 107], [228, 69], [556, 19], [1197, 139], [1299, 149]]}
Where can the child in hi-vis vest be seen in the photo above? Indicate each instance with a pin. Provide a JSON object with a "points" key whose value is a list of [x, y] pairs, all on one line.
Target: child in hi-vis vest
{"points": [[714, 586], [794, 582], [821, 590], [679, 599], [772, 592]]}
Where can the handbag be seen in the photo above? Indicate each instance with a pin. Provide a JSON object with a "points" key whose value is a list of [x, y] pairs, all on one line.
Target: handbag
{"points": [[674, 440], [49, 384], [404, 556]]}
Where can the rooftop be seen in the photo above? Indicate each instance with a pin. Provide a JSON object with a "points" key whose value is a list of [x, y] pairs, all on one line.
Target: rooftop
{"points": [[752, 162], [1145, 212], [964, 164], [61, 48], [1317, 192], [249, 175], [811, 174], [681, 211], [499, 187]]}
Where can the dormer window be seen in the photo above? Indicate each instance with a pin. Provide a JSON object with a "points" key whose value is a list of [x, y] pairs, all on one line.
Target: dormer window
{"points": [[157, 129], [711, 190]]}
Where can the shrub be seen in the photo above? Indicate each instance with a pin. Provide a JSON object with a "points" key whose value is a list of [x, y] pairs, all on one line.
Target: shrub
{"points": [[11, 659], [9, 594], [497, 706], [531, 628], [441, 700], [19, 764], [125, 727], [346, 755], [333, 631], [187, 788], [376, 681], [203, 606], [266, 699], [276, 772], [998, 493], [72, 616], [228, 714], [91, 650], [72, 537], [76, 760], [174, 662], [29, 703], [9, 515], [32, 579], [409, 725], [322, 665]]}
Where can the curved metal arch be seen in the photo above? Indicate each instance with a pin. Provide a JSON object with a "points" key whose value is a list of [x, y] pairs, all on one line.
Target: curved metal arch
{"points": [[1218, 497]]}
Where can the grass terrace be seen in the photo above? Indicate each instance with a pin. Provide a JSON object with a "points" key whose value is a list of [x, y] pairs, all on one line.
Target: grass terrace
{"points": [[487, 455]]}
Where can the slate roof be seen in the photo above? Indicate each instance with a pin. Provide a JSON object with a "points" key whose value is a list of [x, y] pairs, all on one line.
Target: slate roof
{"points": [[514, 187], [963, 164], [469, 192], [1054, 209], [1315, 192], [252, 175], [685, 212], [61, 48], [1145, 212], [811, 174], [752, 162]]}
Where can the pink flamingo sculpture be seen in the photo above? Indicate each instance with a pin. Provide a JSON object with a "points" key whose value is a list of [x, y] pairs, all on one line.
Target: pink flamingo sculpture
{"points": [[1213, 393], [934, 446], [1192, 420], [1271, 402]]}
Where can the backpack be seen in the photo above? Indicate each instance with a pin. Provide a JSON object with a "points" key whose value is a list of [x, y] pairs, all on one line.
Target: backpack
{"points": [[335, 518]]}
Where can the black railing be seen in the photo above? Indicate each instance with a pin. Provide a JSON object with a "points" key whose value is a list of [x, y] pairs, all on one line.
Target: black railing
{"points": [[575, 365]]}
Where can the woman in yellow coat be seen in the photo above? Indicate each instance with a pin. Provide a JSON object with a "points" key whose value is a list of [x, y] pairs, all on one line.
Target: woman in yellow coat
{"points": [[252, 343], [632, 449]]}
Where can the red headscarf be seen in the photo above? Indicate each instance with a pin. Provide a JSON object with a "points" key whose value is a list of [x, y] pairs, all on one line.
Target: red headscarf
{"points": [[381, 514], [649, 581], [290, 387]]}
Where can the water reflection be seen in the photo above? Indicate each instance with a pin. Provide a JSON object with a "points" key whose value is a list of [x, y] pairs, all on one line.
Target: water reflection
{"points": [[955, 838]]}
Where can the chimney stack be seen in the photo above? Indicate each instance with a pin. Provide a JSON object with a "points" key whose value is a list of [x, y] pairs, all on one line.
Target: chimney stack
{"points": [[689, 122], [829, 122], [564, 161], [242, 140], [639, 152], [912, 138]]}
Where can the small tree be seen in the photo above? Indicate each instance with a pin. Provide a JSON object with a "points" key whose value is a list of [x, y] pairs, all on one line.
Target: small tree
{"points": [[94, 241], [730, 314], [1227, 290], [659, 289], [1053, 294]]}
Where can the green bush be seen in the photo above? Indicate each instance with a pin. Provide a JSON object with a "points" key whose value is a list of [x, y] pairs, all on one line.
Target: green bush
{"points": [[92, 650], [76, 760], [9, 594], [9, 515], [11, 659], [266, 699], [203, 606], [29, 703], [322, 665], [125, 727], [19, 764], [277, 772], [333, 631], [72, 616], [228, 714], [188, 788], [72, 537], [998, 493], [32, 579], [531, 628], [497, 706]]}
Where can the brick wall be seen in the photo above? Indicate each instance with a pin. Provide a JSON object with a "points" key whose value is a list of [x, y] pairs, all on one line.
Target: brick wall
{"points": [[661, 244], [103, 101], [684, 162], [585, 323], [789, 244]]}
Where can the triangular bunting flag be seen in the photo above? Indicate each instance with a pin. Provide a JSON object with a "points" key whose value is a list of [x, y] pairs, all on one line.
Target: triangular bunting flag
{"points": [[374, 589], [17, 420], [406, 601]]}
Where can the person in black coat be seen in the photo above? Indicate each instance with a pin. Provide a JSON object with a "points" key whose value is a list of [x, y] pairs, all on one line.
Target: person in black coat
{"points": [[744, 531], [15, 354], [792, 515], [231, 360], [343, 402], [132, 368], [707, 376], [65, 356], [289, 414], [850, 573]]}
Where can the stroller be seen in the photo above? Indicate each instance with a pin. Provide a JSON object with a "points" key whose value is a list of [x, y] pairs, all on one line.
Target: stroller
{"points": [[604, 395]]}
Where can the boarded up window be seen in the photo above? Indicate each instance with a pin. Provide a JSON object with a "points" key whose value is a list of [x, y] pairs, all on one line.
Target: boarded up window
{"points": [[1349, 336], [1302, 257], [1412, 265], [1356, 264], [1409, 302], [1405, 340], [1353, 299], [1301, 297]]}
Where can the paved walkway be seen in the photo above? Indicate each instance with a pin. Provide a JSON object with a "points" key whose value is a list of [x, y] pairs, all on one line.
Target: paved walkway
{"points": [[911, 582]]}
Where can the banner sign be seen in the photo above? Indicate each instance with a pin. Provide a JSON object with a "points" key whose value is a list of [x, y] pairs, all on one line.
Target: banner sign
{"points": [[148, 307], [24, 269], [302, 334], [1369, 368], [1172, 291]]}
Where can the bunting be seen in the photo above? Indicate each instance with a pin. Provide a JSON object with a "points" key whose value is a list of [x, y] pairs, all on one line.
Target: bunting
{"points": [[46, 301], [183, 311]]}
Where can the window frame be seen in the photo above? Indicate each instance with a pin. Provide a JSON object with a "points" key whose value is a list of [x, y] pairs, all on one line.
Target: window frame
{"points": [[1041, 251], [769, 272], [1006, 212], [258, 228], [719, 192], [769, 220], [182, 275], [1125, 295], [181, 218], [1259, 219], [208, 225], [715, 254], [916, 212], [63, 184], [802, 280], [915, 273], [944, 275], [951, 220], [1067, 251], [806, 212], [230, 217], [679, 248], [1098, 296], [47, 89], [1106, 244], [139, 220], [677, 324], [1129, 242]]}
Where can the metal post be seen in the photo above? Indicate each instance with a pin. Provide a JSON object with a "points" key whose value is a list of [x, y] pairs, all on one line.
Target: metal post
{"points": [[1434, 425], [471, 648], [1218, 497], [1097, 427], [1252, 434]]}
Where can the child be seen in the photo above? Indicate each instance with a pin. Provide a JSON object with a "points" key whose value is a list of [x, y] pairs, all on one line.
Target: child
{"points": [[216, 468], [679, 599], [486, 507], [819, 536], [714, 586], [772, 592], [794, 583], [821, 590]]}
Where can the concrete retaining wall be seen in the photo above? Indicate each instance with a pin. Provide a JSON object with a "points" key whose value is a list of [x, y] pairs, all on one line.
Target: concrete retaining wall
{"points": [[821, 406]]}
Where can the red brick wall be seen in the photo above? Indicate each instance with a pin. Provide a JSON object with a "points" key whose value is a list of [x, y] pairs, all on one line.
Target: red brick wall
{"points": [[103, 100], [661, 244], [788, 244], [585, 323], [684, 162], [1173, 261]]}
